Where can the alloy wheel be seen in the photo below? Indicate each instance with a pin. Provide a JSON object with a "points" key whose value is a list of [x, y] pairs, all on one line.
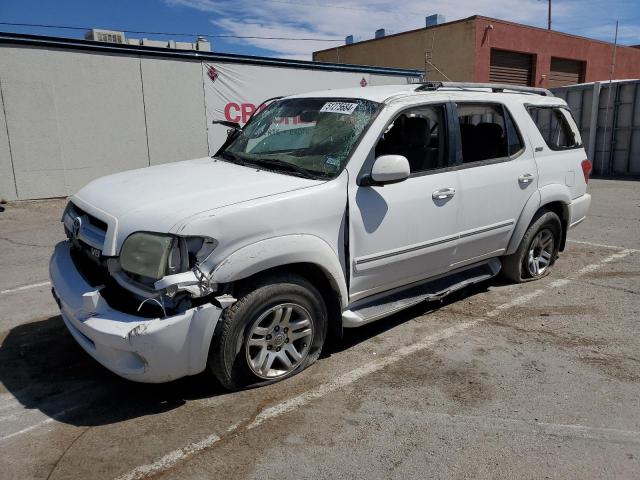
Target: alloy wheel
{"points": [[540, 252], [279, 340]]}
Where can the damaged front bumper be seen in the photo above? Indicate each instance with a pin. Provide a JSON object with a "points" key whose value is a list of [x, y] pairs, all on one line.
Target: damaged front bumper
{"points": [[137, 348]]}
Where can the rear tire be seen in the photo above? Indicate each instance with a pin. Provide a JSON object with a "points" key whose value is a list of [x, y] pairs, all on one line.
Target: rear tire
{"points": [[276, 330], [537, 251]]}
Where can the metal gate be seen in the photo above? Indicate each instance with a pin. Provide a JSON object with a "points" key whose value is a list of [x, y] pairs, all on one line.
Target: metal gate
{"points": [[510, 67], [612, 112]]}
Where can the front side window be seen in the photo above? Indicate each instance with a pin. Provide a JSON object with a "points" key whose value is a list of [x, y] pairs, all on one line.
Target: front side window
{"points": [[557, 127], [487, 132], [419, 135], [303, 136]]}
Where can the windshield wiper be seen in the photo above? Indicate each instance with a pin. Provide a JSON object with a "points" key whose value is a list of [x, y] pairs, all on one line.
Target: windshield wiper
{"points": [[232, 157], [290, 167]]}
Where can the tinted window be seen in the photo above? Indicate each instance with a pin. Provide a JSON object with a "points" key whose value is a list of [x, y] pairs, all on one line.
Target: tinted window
{"points": [[419, 135], [483, 132], [556, 126], [514, 139]]}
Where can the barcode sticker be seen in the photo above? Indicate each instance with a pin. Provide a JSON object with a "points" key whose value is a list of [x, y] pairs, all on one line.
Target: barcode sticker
{"points": [[339, 107]]}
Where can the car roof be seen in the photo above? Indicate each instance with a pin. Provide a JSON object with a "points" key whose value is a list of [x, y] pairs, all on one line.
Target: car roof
{"points": [[376, 94], [406, 93]]}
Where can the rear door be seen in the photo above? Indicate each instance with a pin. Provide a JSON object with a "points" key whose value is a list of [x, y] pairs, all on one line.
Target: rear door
{"points": [[497, 177]]}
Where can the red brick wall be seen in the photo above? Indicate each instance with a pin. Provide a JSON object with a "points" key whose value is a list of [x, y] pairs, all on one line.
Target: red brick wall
{"points": [[544, 44]]}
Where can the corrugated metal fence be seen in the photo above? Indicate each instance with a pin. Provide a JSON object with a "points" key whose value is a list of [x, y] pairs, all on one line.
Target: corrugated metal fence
{"points": [[612, 111]]}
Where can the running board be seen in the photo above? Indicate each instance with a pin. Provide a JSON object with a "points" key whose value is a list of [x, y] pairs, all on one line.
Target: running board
{"points": [[435, 289]]}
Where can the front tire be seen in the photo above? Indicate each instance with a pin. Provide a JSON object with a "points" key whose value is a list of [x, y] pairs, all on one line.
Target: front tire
{"points": [[276, 330], [537, 251]]}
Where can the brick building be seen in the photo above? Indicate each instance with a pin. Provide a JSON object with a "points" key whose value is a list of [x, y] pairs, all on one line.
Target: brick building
{"points": [[482, 49]]}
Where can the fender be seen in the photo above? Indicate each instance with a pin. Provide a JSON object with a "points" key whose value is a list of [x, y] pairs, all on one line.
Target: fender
{"points": [[554, 192], [279, 251]]}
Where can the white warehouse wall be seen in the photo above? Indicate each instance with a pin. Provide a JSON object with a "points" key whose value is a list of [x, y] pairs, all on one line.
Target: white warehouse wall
{"points": [[7, 180], [69, 116], [72, 117], [174, 103]]}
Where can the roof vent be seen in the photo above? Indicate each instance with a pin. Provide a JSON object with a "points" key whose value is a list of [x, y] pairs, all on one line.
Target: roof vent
{"points": [[433, 20], [380, 33], [348, 40]]}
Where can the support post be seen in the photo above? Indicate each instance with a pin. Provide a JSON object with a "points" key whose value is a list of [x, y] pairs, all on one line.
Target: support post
{"points": [[593, 123]]}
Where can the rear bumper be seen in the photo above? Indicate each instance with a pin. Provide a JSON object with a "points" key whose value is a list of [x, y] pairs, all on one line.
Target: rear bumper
{"points": [[137, 348], [578, 209]]}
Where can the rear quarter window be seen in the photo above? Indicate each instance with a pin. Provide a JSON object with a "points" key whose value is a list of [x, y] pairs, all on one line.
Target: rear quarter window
{"points": [[557, 127]]}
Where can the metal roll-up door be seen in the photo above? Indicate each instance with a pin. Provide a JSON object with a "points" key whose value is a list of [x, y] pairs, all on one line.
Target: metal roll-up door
{"points": [[565, 72], [511, 67]]}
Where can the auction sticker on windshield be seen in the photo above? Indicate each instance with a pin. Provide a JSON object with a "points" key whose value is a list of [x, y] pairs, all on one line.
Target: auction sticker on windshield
{"points": [[339, 107]]}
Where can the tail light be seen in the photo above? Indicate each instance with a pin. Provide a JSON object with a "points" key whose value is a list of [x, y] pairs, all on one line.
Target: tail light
{"points": [[586, 169]]}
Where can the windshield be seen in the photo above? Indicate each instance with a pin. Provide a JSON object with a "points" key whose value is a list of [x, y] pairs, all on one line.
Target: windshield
{"points": [[311, 137]]}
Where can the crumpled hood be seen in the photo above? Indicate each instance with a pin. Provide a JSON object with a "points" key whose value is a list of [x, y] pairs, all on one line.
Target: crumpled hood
{"points": [[157, 198]]}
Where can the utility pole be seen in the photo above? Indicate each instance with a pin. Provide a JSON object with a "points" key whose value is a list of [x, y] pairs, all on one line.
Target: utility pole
{"points": [[549, 17]]}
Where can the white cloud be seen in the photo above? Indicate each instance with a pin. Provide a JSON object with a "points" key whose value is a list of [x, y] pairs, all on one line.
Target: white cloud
{"points": [[627, 34], [334, 19]]}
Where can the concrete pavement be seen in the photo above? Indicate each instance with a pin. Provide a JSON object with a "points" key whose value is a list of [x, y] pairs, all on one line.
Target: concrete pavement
{"points": [[540, 380]]}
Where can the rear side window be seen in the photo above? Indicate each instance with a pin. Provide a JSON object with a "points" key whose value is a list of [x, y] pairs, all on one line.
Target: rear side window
{"points": [[487, 132], [557, 127]]}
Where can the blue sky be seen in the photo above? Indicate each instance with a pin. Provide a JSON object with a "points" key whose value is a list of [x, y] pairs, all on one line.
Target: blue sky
{"points": [[332, 19]]}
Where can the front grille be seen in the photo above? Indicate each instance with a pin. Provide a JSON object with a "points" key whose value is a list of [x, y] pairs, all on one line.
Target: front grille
{"points": [[96, 222], [82, 226]]}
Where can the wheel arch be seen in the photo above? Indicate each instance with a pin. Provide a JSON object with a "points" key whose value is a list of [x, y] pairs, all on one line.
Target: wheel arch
{"points": [[305, 255], [562, 210], [555, 198]]}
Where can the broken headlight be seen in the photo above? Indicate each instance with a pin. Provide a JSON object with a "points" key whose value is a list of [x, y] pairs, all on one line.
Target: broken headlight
{"points": [[155, 255]]}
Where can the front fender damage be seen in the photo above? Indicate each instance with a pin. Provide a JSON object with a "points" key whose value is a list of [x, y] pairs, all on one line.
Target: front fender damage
{"points": [[187, 335], [194, 282]]}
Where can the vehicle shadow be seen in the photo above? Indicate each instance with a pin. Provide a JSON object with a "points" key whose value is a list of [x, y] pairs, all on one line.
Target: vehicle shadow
{"points": [[43, 368]]}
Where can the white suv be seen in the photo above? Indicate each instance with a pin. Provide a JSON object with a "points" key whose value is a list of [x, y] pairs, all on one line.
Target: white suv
{"points": [[328, 210]]}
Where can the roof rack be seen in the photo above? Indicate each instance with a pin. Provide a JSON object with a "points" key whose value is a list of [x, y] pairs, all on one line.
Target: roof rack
{"points": [[494, 87]]}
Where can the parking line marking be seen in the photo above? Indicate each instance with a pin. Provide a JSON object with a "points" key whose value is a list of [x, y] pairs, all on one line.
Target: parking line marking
{"points": [[176, 456], [348, 378], [356, 374], [170, 459], [39, 424], [24, 287], [601, 245], [611, 435]]}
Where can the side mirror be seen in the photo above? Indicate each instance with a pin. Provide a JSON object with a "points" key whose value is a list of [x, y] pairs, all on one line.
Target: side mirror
{"points": [[387, 169]]}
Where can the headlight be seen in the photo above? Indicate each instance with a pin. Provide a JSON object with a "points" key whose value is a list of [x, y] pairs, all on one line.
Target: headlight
{"points": [[154, 255]]}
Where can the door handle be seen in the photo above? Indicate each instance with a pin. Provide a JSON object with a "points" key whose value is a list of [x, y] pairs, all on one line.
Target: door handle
{"points": [[526, 178], [443, 193]]}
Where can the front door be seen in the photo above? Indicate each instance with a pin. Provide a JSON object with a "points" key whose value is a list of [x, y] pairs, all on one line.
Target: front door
{"points": [[405, 232]]}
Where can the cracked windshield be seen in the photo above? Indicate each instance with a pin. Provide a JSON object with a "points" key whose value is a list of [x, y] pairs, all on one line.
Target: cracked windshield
{"points": [[307, 136]]}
